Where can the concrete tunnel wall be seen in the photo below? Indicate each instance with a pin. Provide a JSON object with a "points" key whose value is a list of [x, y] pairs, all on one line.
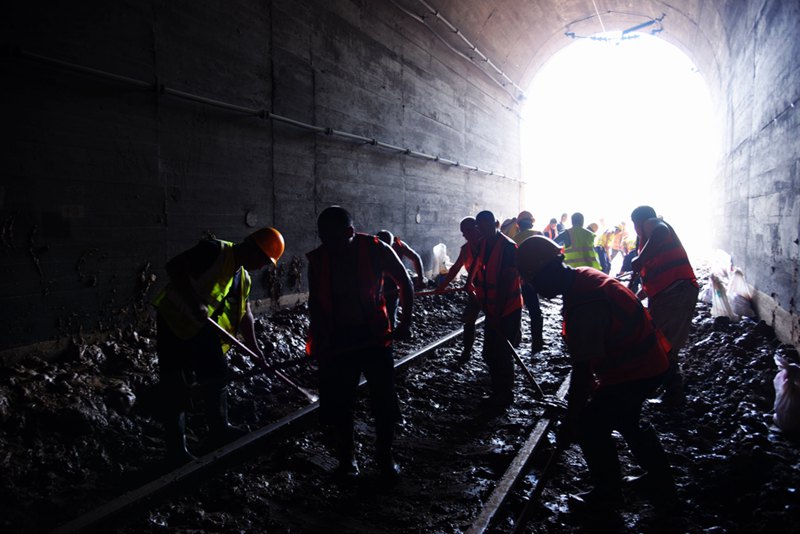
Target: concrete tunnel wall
{"points": [[104, 183]]}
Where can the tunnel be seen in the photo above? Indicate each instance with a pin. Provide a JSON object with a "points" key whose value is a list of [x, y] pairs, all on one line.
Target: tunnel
{"points": [[135, 129]]}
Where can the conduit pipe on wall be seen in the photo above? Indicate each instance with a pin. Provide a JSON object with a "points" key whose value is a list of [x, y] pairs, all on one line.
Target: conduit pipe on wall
{"points": [[259, 113], [519, 94]]}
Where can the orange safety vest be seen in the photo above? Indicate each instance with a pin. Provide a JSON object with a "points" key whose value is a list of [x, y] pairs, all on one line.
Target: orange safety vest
{"points": [[370, 278], [634, 348], [550, 233], [667, 267], [486, 280]]}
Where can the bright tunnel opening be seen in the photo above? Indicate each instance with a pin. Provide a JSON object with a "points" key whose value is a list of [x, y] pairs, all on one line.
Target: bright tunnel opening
{"points": [[613, 124]]}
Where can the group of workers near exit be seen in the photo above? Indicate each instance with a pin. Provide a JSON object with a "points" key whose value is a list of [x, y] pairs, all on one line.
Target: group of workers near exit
{"points": [[621, 352]]}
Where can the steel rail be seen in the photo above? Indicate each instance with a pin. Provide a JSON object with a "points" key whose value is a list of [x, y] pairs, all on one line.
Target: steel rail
{"points": [[516, 469], [194, 471]]}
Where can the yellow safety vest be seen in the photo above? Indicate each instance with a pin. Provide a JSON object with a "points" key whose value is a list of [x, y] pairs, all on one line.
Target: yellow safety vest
{"points": [[226, 304], [581, 251]]}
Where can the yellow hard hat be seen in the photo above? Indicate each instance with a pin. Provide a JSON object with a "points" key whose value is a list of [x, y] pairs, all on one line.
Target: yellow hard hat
{"points": [[534, 253], [271, 243]]}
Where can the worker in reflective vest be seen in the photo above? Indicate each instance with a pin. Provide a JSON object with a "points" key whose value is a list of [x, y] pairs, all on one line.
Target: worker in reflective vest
{"points": [[465, 260], [390, 289], [551, 230], [525, 221], [671, 289], [618, 359], [498, 290], [208, 281], [350, 333], [578, 244]]}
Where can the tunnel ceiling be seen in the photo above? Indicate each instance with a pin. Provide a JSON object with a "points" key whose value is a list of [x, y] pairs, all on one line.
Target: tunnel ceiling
{"points": [[519, 36]]}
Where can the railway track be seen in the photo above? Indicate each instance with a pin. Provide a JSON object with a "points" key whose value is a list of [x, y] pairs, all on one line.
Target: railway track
{"points": [[498, 458]]}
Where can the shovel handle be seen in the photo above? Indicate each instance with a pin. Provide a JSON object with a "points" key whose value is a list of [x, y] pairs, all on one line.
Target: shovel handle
{"points": [[244, 348]]}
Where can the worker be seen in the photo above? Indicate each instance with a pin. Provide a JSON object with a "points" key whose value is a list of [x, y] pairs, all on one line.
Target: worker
{"points": [[603, 247], [498, 290], [618, 358], [509, 228], [562, 224], [209, 280], [618, 244], [350, 333], [671, 289], [551, 230], [390, 289], [525, 221], [578, 243], [466, 258]]}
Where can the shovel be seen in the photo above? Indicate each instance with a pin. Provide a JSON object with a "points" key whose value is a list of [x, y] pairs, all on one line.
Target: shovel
{"points": [[242, 347]]}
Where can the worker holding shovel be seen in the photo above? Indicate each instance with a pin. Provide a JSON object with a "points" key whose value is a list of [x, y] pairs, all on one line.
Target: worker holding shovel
{"points": [[618, 358], [208, 289], [351, 333]]}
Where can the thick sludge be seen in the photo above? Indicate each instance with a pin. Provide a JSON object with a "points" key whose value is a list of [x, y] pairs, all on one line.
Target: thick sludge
{"points": [[83, 429]]}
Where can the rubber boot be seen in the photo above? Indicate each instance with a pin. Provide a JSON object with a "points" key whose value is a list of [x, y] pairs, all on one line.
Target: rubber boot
{"points": [[344, 445], [469, 341], [175, 440], [220, 429], [657, 482], [388, 468]]}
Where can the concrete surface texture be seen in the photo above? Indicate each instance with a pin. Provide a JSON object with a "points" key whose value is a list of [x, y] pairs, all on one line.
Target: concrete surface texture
{"points": [[104, 181]]}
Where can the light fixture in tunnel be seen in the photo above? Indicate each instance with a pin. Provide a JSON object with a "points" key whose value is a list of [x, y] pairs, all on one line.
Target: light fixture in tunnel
{"points": [[580, 28]]}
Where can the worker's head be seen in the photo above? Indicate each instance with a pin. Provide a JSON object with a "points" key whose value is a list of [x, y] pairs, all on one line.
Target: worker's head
{"points": [[509, 227], [487, 224], [539, 261], [639, 216], [385, 236], [577, 219], [525, 220], [270, 242], [335, 226], [469, 229], [553, 222], [592, 227], [563, 218]]}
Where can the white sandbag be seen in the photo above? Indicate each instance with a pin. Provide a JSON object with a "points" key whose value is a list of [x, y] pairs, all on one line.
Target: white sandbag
{"points": [[739, 295], [787, 396], [720, 306], [707, 293], [440, 261]]}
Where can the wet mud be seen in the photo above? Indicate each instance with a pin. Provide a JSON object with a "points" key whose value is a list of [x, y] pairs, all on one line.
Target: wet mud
{"points": [[83, 429]]}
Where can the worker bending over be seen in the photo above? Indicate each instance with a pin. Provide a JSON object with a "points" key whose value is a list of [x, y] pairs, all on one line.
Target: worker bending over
{"points": [[669, 283], [209, 280], [618, 359], [390, 289], [466, 258], [351, 334], [497, 288], [530, 298]]}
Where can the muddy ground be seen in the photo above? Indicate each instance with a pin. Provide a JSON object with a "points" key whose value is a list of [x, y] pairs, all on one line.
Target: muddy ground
{"points": [[83, 429]]}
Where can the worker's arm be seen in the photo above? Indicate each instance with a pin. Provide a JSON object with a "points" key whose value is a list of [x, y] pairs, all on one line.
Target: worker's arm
{"points": [[563, 239], [186, 266], [411, 254], [453, 271], [508, 272], [248, 333], [394, 269], [656, 233]]}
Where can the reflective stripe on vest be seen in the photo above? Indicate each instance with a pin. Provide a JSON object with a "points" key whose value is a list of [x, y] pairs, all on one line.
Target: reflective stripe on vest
{"points": [[486, 281], [213, 286], [581, 251], [633, 347], [370, 283], [667, 267]]}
